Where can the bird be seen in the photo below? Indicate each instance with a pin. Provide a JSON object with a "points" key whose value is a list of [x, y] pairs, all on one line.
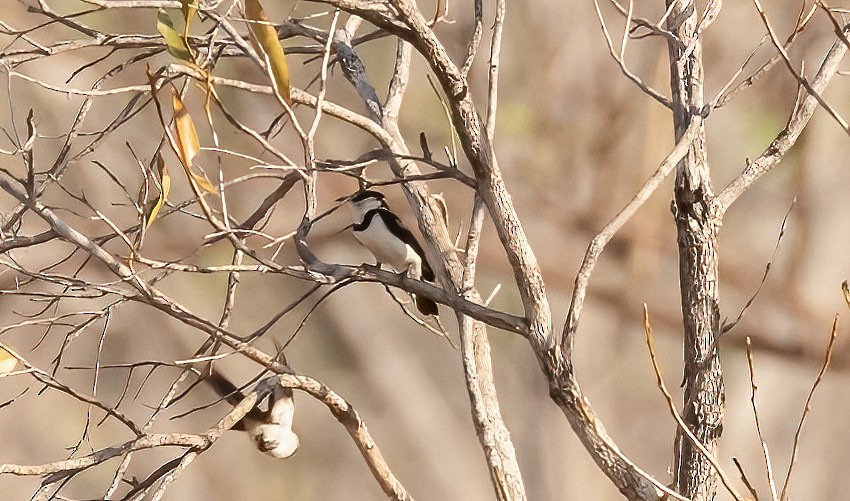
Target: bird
{"points": [[383, 234], [269, 430]]}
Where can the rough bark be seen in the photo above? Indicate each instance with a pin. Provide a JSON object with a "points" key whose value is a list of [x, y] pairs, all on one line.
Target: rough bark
{"points": [[697, 229]]}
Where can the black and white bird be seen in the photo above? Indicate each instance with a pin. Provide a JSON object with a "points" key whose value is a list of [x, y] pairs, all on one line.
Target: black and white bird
{"points": [[378, 229], [269, 430]]}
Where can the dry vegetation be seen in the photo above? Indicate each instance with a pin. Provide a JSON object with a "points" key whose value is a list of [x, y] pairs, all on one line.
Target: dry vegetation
{"points": [[168, 208]]}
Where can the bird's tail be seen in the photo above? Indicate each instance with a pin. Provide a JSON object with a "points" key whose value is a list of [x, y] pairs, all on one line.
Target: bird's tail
{"points": [[427, 272], [426, 306]]}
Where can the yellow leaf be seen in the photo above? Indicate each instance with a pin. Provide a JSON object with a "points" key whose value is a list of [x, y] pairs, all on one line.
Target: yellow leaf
{"points": [[175, 43], [165, 183], [188, 144], [7, 362], [203, 183], [208, 94], [265, 41], [187, 135], [164, 178]]}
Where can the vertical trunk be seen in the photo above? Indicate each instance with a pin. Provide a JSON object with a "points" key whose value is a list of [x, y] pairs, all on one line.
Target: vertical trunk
{"points": [[703, 383], [492, 432], [697, 229]]}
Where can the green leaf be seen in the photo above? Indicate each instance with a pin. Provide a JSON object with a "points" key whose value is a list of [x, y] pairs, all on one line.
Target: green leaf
{"points": [[165, 183], [174, 41]]}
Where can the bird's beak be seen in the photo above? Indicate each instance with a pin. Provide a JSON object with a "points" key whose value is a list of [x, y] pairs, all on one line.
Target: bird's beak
{"points": [[343, 199]]}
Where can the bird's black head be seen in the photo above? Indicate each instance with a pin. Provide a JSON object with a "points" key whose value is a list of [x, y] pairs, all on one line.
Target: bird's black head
{"points": [[365, 201], [368, 194]]}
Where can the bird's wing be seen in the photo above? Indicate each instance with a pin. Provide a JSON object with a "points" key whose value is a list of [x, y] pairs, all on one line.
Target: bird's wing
{"points": [[397, 227], [224, 388]]}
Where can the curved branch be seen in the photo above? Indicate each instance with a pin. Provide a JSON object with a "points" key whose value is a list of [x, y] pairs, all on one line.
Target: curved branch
{"points": [[97, 457], [597, 245], [356, 428]]}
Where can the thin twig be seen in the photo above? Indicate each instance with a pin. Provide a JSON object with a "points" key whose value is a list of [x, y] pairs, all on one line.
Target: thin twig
{"points": [[649, 91], [744, 478], [764, 450], [726, 327], [493, 75], [477, 31], [807, 408], [775, 152], [802, 80]]}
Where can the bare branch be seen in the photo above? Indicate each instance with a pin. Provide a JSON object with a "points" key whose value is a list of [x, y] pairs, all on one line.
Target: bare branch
{"points": [[810, 88], [475, 41], [786, 138], [493, 76], [70, 465], [618, 58], [597, 245]]}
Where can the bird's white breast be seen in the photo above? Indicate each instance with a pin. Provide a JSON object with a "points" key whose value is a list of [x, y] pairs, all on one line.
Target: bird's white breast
{"points": [[389, 249]]}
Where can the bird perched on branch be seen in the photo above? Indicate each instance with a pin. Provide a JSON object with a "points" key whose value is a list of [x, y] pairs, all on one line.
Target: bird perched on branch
{"points": [[378, 229], [269, 430]]}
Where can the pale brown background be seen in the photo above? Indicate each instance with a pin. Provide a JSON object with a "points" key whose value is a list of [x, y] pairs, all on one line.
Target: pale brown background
{"points": [[574, 139]]}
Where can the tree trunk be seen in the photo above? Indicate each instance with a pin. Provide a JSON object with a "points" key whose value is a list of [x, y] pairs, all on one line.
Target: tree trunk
{"points": [[697, 229]]}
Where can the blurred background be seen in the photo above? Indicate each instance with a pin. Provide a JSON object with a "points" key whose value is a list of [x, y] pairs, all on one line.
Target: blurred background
{"points": [[575, 139]]}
